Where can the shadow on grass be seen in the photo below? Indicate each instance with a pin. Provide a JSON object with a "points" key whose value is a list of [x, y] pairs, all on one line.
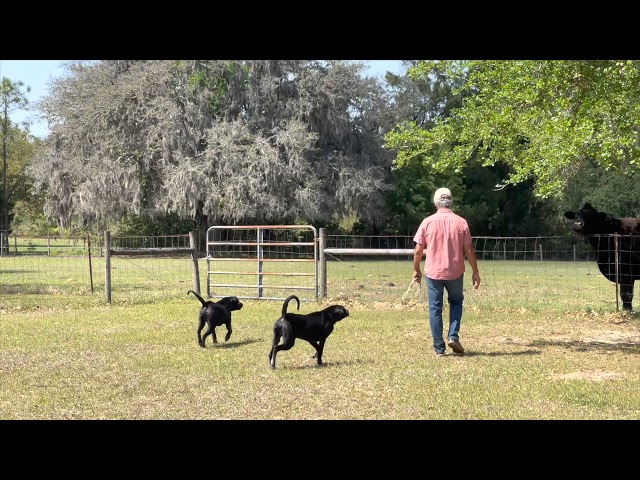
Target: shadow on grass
{"points": [[470, 353], [313, 364], [582, 346], [232, 344]]}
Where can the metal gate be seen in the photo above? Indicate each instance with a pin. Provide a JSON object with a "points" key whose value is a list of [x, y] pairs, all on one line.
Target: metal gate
{"points": [[263, 262]]}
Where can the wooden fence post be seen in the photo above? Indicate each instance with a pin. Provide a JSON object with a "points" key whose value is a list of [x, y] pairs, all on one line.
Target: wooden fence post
{"points": [[90, 267], [107, 265], [194, 256], [323, 263]]}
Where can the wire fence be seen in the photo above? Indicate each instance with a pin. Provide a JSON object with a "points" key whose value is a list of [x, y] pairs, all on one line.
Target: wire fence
{"points": [[487, 248], [77, 266], [519, 272], [558, 272]]}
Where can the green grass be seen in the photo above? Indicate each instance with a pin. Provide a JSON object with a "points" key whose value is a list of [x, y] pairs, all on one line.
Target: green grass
{"points": [[540, 345]]}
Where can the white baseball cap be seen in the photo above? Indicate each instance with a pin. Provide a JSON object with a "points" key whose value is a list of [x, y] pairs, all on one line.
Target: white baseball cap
{"points": [[440, 192]]}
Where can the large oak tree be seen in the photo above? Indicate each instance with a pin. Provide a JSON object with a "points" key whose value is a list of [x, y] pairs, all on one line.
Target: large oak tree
{"points": [[218, 141]]}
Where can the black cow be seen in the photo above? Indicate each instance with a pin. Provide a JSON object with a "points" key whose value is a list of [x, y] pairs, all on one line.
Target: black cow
{"points": [[598, 229]]}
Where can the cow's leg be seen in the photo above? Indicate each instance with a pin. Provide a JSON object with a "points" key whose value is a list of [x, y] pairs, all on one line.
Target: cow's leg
{"points": [[626, 292]]}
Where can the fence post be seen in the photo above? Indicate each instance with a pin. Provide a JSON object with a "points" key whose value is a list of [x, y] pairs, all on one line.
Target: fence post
{"points": [[90, 267], [194, 256], [541, 252], [107, 265], [615, 247], [322, 243]]}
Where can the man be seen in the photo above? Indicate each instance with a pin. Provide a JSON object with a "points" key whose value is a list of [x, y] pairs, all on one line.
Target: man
{"points": [[447, 238]]}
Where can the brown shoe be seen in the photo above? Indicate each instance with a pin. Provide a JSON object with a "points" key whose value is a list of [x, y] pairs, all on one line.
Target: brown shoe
{"points": [[456, 346]]}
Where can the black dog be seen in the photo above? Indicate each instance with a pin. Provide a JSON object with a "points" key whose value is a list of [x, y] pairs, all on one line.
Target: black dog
{"points": [[313, 327], [215, 314]]}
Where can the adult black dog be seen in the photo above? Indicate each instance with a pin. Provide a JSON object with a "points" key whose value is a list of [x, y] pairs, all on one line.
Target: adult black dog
{"points": [[215, 314], [313, 327]]}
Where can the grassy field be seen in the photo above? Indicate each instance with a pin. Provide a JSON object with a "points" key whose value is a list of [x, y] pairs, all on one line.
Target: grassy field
{"points": [[539, 346]]}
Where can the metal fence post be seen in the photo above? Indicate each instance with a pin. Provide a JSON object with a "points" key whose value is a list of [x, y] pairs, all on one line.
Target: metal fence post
{"points": [[260, 257], [322, 243]]}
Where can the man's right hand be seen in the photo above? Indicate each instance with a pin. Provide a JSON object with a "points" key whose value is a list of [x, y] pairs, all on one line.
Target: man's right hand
{"points": [[417, 276]]}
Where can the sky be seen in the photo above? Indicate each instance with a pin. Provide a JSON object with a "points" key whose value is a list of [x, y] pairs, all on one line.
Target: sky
{"points": [[37, 74]]}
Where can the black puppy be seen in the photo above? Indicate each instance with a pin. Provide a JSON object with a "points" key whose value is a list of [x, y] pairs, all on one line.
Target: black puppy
{"points": [[313, 327], [215, 314]]}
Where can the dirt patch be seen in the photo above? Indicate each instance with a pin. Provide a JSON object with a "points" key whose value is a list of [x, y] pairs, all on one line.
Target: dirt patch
{"points": [[405, 305], [613, 317], [599, 336], [594, 375], [10, 361], [353, 301], [614, 338]]}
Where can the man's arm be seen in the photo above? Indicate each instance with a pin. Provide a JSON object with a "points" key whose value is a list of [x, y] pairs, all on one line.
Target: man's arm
{"points": [[417, 259], [471, 258]]}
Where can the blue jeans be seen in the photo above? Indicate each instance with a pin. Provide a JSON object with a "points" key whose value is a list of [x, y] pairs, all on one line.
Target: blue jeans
{"points": [[435, 295]]}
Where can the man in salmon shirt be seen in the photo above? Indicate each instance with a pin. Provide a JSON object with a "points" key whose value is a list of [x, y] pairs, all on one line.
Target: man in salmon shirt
{"points": [[447, 238]]}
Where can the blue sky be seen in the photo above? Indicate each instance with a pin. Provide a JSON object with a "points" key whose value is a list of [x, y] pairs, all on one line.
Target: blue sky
{"points": [[37, 74]]}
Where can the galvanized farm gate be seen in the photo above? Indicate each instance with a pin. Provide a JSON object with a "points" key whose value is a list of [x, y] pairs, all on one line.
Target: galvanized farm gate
{"points": [[263, 262]]}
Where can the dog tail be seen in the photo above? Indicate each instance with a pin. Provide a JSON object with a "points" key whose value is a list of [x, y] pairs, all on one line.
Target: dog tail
{"points": [[286, 303], [199, 297]]}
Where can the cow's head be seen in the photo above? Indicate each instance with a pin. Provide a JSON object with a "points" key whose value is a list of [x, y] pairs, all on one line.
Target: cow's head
{"points": [[587, 220]]}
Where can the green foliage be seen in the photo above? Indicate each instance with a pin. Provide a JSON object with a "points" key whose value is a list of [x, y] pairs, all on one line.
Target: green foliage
{"points": [[411, 199], [29, 218], [215, 86], [489, 209], [543, 119], [510, 211], [608, 191], [19, 148], [12, 98], [347, 222], [169, 224]]}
